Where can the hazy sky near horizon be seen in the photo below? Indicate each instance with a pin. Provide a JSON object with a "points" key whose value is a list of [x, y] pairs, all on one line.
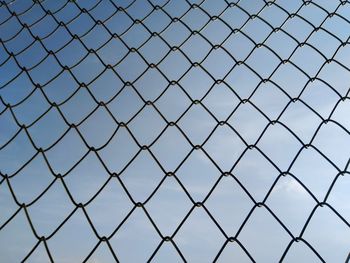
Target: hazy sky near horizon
{"points": [[172, 87]]}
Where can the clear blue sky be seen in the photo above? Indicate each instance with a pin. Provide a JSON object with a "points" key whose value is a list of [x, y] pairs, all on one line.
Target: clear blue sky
{"points": [[198, 239]]}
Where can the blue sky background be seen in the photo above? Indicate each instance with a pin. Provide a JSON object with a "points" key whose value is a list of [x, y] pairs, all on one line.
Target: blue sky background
{"points": [[199, 239]]}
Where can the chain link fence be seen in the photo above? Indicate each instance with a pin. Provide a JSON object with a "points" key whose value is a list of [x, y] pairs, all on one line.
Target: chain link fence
{"points": [[170, 131]]}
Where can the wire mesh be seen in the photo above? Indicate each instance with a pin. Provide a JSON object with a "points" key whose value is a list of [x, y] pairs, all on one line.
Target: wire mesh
{"points": [[250, 94]]}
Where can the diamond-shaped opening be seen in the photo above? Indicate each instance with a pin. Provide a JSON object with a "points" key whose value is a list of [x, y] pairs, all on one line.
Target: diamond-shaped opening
{"points": [[174, 65], [125, 105], [218, 63], [224, 147], [216, 31], [109, 208], [12, 94], [147, 125], [30, 109], [7, 203], [195, 19], [72, 53], [154, 50], [136, 240], [235, 17], [44, 27], [263, 228], [171, 148], [152, 21], [48, 129], [336, 76], [139, 9], [74, 240], [81, 100], [335, 24], [106, 86], [270, 100], [198, 174], [142, 176], [299, 252], [285, 77], [282, 44], [248, 122], [256, 174], [119, 23], [229, 204], [199, 239], [291, 203], [57, 39], [196, 82], [301, 120], [138, 30], [20, 42], [113, 52], [15, 27], [176, 9], [61, 88], [233, 253], [263, 61], [257, 30], [308, 59], [96, 37], [64, 14], [334, 142], [197, 124], [14, 249], [197, 54], [314, 171], [102, 254], [274, 15], [339, 196], [32, 180], [214, 8], [101, 123], [298, 28], [334, 237], [175, 34], [221, 101], [151, 84], [131, 67], [320, 97], [320, 37], [243, 81], [67, 152], [313, 14], [8, 127], [340, 114], [86, 179], [279, 145], [48, 212], [81, 24], [16, 153], [119, 151], [167, 253], [87, 70], [168, 206]]}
